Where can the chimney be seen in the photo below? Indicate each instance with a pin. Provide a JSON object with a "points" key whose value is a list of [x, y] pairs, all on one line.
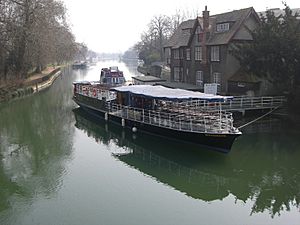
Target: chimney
{"points": [[205, 15]]}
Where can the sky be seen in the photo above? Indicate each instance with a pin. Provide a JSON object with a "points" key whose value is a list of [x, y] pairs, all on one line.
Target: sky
{"points": [[113, 26]]}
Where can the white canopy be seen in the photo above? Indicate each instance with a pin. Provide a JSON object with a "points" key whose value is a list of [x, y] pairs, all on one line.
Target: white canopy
{"points": [[161, 92]]}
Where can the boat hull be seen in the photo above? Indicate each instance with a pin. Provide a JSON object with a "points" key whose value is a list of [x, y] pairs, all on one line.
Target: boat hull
{"points": [[219, 142]]}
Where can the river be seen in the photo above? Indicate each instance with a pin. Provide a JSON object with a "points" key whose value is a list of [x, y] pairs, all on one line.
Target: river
{"points": [[59, 166]]}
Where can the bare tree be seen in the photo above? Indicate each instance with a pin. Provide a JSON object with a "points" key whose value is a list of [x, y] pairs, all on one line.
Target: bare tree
{"points": [[160, 31], [33, 33], [160, 28]]}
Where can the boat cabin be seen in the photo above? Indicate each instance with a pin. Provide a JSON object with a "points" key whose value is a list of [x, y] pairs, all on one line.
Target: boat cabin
{"points": [[153, 97], [112, 76]]}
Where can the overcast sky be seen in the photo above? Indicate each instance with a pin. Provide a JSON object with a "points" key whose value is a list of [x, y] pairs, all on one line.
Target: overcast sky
{"points": [[116, 25]]}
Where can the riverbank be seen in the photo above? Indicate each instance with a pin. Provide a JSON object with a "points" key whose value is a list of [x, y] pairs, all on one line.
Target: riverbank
{"points": [[35, 83]]}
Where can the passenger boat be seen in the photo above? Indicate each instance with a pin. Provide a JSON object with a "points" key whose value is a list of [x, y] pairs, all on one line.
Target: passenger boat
{"points": [[171, 113], [112, 76]]}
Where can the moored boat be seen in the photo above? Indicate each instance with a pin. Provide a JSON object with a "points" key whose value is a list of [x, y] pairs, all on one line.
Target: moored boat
{"points": [[112, 76], [79, 65], [172, 113]]}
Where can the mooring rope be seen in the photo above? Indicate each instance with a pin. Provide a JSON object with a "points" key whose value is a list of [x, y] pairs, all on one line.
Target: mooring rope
{"points": [[258, 118]]}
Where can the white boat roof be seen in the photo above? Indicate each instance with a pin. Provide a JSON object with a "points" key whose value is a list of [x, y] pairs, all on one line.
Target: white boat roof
{"points": [[161, 92]]}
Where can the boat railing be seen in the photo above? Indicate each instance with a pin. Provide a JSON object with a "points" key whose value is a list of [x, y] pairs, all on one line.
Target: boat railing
{"points": [[238, 103], [204, 122], [246, 102], [94, 92]]}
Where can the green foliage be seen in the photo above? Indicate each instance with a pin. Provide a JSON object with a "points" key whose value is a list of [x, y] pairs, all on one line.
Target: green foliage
{"points": [[274, 53], [149, 56]]}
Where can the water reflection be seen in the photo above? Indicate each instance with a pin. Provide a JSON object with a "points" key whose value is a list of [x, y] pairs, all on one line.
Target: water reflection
{"points": [[262, 168], [35, 142]]}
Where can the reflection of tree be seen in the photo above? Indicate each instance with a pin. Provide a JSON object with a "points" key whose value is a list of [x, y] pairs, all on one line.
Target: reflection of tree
{"points": [[277, 191], [262, 168], [8, 187], [35, 140]]}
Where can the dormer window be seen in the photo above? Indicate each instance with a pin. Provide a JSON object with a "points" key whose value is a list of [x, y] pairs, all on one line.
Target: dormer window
{"points": [[222, 27], [199, 34]]}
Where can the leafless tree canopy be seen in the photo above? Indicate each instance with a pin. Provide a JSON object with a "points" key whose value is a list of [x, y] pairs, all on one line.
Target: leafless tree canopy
{"points": [[33, 34], [160, 28]]}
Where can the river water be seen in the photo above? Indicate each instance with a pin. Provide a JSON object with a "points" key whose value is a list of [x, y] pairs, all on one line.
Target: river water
{"points": [[59, 166]]}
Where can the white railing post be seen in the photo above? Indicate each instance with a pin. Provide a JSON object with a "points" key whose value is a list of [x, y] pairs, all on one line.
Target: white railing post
{"points": [[272, 101], [159, 122], [179, 123], [241, 104]]}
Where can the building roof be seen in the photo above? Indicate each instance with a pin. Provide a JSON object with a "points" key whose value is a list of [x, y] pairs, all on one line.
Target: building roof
{"points": [[185, 86], [242, 76], [147, 78], [279, 12], [181, 35], [160, 92], [235, 18]]}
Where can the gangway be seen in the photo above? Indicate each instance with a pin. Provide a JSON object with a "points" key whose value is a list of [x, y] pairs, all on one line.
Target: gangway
{"points": [[240, 104], [245, 103]]}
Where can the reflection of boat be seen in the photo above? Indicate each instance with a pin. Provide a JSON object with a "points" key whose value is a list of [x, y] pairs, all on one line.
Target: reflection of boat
{"points": [[271, 185], [174, 113]]}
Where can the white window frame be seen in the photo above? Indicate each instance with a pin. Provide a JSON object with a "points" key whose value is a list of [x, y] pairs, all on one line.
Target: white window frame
{"points": [[199, 78], [176, 53], [198, 32], [217, 78], [198, 53], [215, 53], [181, 53], [188, 53], [176, 74], [222, 27]]}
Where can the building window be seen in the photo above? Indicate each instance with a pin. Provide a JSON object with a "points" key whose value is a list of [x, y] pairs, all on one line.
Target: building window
{"points": [[215, 53], [198, 32], [222, 27], [200, 37], [198, 53], [176, 74], [199, 78], [188, 54], [217, 78], [168, 55], [176, 53], [181, 53]]}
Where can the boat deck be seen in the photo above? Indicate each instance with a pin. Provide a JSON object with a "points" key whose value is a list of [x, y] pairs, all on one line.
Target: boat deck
{"points": [[202, 122]]}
